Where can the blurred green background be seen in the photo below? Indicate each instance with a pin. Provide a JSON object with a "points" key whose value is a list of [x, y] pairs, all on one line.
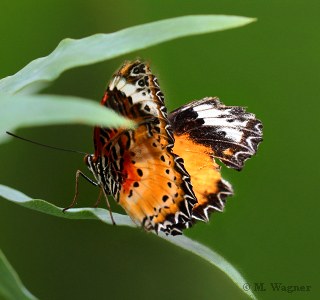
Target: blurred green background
{"points": [[269, 230]]}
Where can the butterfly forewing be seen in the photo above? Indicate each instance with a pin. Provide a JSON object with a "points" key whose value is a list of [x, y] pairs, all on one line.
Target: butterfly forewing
{"points": [[137, 166], [227, 132]]}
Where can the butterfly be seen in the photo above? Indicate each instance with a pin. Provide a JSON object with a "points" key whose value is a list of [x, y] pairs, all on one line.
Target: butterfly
{"points": [[163, 172]]}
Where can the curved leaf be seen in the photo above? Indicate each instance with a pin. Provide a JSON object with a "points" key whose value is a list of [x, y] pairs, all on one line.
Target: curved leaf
{"points": [[71, 53], [49, 109], [104, 215], [212, 257], [73, 213], [11, 287]]}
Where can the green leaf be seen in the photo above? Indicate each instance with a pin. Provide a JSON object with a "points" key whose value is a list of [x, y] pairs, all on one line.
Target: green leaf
{"points": [[73, 213], [104, 215], [11, 287], [212, 257], [38, 110], [71, 53]]}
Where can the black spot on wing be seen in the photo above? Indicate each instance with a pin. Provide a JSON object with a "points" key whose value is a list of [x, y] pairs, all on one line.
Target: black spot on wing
{"points": [[140, 173], [165, 198]]}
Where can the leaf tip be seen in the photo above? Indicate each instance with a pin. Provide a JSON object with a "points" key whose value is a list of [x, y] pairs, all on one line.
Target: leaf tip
{"points": [[246, 20], [130, 124], [253, 20]]}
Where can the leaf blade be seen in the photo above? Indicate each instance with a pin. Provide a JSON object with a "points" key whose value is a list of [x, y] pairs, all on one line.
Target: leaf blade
{"points": [[73, 213], [36, 110], [212, 257], [122, 220], [71, 53], [11, 286]]}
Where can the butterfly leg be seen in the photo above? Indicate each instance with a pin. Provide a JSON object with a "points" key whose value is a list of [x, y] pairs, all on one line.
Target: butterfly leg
{"points": [[76, 195], [97, 203], [105, 195]]}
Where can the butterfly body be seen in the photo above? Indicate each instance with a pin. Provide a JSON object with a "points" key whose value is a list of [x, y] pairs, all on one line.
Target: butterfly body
{"points": [[163, 171]]}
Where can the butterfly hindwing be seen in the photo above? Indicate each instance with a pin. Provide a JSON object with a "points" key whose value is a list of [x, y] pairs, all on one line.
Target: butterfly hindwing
{"points": [[210, 188], [155, 190], [207, 129]]}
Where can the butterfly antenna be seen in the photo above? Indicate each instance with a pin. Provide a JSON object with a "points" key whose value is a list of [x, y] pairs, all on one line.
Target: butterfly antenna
{"points": [[21, 138]]}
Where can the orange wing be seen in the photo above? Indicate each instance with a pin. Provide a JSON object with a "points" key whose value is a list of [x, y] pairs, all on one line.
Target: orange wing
{"points": [[210, 189], [156, 191], [207, 129], [137, 167]]}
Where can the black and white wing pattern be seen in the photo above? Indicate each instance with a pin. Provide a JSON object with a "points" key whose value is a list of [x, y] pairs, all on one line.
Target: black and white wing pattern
{"points": [[228, 132]]}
